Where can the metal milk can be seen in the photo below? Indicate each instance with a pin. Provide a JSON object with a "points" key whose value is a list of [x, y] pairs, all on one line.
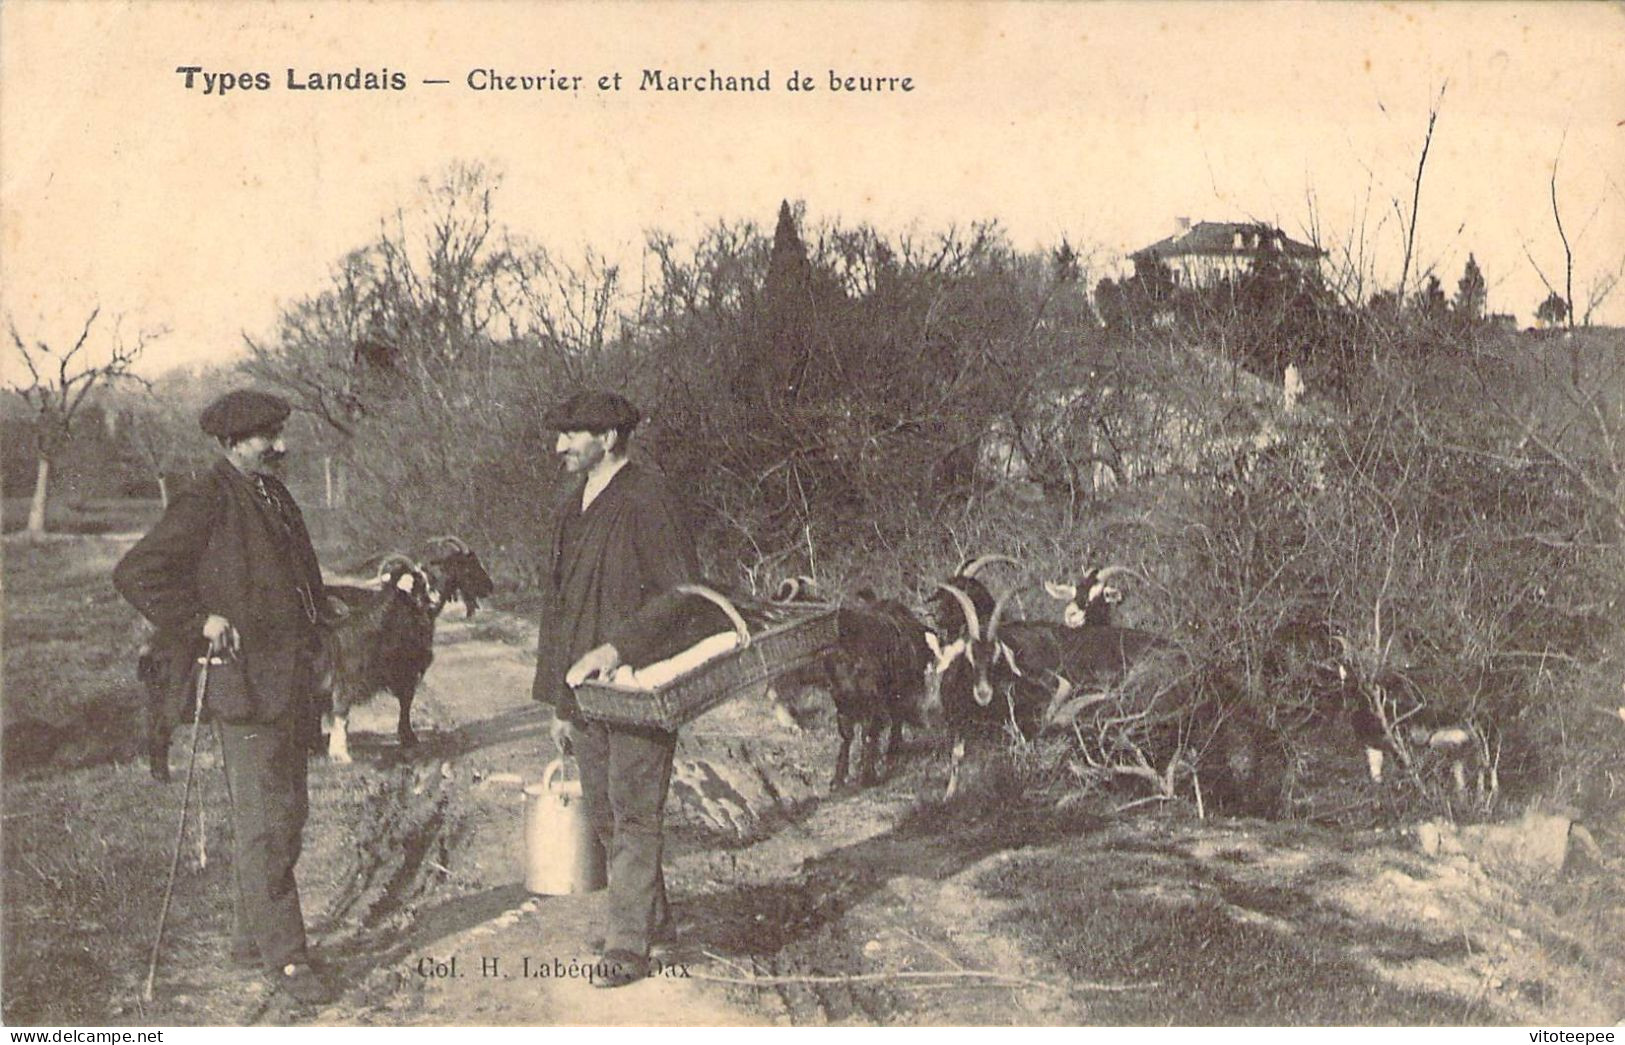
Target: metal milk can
{"points": [[562, 854]]}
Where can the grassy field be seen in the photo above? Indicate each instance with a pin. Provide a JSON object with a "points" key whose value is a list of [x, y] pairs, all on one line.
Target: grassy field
{"points": [[112, 515], [71, 695]]}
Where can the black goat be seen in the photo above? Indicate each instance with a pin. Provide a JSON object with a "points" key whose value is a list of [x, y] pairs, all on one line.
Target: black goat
{"points": [[876, 679], [385, 639], [875, 676], [166, 673], [1391, 719], [1032, 667], [455, 573], [943, 615]]}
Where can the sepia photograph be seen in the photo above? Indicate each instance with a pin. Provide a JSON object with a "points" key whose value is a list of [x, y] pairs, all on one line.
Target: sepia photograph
{"points": [[812, 514]]}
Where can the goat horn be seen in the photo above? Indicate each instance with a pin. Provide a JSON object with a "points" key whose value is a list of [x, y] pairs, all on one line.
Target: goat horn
{"points": [[972, 623], [792, 588], [1106, 573], [998, 613], [727, 607], [395, 559], [453, 540], [970, 567]]}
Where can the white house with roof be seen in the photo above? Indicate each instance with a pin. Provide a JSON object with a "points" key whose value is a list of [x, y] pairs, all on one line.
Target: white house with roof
{"points": [[1208, 251]]}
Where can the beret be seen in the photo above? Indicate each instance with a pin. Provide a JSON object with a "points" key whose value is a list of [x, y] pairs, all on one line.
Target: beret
{"points": [[243, 412], [592, 412]]}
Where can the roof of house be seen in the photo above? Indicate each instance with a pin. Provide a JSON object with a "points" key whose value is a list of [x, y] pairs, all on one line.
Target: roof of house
{"points": [[1220, 239]]}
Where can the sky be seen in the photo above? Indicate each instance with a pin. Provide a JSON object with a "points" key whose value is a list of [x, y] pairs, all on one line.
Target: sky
{"points": [[202, 213]]}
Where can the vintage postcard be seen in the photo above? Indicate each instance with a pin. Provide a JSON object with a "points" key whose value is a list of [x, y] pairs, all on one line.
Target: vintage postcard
{"points": [[1152, 473]]}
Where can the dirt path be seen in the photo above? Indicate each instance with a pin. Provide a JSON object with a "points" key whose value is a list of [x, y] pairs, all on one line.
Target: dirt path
{"points": [[750, 825]]}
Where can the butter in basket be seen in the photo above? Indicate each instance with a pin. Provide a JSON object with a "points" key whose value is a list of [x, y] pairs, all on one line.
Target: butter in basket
{"points": [[675, 634], [694, 648]]}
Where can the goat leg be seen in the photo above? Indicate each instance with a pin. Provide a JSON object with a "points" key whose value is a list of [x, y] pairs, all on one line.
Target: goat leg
{"points": [[873, 729], [954, 759], [842, 759], [338, 741], [403, 725]]}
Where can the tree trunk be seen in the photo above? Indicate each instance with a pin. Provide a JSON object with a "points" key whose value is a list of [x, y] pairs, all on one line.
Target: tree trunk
{"points": [[36, 508], [163, 490], [327, 474]]}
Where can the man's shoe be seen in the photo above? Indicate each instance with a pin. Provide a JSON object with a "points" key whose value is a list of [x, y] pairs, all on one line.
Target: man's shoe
{"points": [[621, 968], [664, 939], [304, 984]]}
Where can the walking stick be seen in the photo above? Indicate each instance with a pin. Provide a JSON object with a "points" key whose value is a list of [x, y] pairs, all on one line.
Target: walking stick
{"points": [[180, 829]]}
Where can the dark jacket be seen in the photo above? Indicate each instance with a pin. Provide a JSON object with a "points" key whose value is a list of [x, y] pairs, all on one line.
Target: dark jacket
{"points": [[223, 548], [633, 544]]}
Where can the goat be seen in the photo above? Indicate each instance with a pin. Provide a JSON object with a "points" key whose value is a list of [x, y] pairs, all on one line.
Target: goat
{"points": [[455, 573], [165, 672], [787, 692], [384, 641], [380, 640], [944, 617], [1389, 718], [1034, 666], [1089, 601], [876, 678]]}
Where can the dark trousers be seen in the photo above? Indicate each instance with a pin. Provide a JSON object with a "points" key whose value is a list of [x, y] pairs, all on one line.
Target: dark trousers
{"points": [[624, 777], [265, 779]]}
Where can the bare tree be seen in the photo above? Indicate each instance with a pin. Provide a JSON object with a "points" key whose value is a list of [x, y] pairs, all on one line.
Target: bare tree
{"points": [[1416, 197], [1602, 283], [57, 385], [162, 424], [1568, 251]]}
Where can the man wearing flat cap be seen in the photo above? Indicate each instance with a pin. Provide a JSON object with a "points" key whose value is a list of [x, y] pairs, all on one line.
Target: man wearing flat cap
{"points": [[616, 538], [229, 571]]}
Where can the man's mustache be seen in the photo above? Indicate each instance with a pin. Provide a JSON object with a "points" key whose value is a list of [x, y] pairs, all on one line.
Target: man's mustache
{"points": [[273, 456]]}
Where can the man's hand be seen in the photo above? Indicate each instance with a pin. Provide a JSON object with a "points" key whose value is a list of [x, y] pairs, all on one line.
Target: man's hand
{"points": [[220, 633], [563, 734], [594, 663]]}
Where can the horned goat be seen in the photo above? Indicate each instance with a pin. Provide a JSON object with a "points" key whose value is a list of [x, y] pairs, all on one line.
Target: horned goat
{"points": [[386, 639]]}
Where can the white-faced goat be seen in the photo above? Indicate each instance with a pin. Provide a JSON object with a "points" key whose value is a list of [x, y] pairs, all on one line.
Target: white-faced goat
{"points": [[1091, 598]]}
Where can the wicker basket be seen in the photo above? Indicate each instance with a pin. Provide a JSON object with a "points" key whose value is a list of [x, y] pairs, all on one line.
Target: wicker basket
{"points": [[769, 654]]}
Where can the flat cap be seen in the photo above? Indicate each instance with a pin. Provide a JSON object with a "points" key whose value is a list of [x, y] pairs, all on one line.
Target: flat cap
{"points": [[592, 412], [243, 412]]}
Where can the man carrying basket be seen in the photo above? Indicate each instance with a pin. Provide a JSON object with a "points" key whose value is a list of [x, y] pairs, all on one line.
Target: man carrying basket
{"points": [[616, 538]]}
